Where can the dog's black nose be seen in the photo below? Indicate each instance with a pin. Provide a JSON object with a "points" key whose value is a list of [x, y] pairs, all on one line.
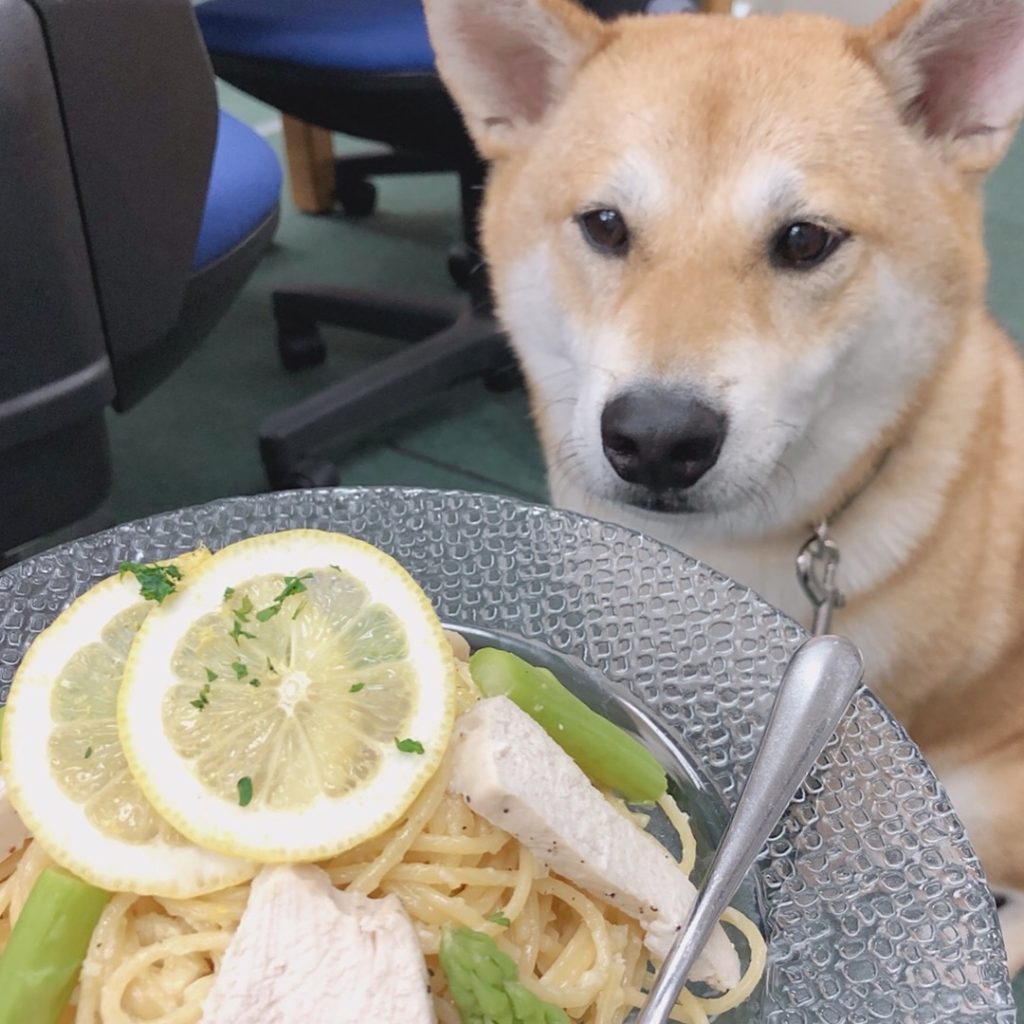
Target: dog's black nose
{"points": [[660, 439]]}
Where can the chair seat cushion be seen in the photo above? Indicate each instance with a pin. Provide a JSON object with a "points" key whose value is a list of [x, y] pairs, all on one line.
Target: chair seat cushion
{"points": [[344, 35], [245, 188]]}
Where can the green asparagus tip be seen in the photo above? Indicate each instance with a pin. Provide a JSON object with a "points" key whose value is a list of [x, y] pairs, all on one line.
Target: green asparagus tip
{"points": [[484, 984]]}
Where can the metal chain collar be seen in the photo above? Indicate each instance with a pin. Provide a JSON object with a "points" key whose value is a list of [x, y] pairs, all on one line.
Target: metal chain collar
{"points": [[817, 569], [817, 565]]}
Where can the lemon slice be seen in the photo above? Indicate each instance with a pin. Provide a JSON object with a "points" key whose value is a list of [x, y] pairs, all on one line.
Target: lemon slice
{"points": [[292, 701], [66, 773]]}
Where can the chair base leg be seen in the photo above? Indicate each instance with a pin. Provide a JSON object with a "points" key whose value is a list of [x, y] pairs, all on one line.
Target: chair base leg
{"points": [[310, 165], [452, 345], [298, 312]]}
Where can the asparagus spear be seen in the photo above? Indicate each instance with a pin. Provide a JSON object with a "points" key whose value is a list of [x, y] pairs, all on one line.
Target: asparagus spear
{"points": [[484, 983], [610, 757], [40, 965]]}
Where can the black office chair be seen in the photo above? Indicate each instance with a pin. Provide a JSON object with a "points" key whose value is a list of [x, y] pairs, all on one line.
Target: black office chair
{"points": [[365, 68], [130, 215]]}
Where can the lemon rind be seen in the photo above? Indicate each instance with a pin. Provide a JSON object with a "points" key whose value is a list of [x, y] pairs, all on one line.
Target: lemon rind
{"points": [[63, 830], [261, 834]]}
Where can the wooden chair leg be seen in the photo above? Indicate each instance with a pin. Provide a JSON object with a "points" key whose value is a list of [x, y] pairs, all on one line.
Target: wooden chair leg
{"points": [[716, 6], [310, 165]]}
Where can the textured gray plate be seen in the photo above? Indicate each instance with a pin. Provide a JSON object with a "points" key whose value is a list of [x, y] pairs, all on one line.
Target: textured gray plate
{"points": [[875, 906]]}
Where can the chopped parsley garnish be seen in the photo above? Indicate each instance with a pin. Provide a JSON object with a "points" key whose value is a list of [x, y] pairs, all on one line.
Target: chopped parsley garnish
{"points": [[244, 791], [244, 610], [88, 753], [156, 582], [292, 585], [254, 682], [210, 675], [229, 592], [203, 699], [356, 687], [270, 665], [240, 669], [336, 568], [499, 918], [297, 610], [238, 632], [408, 746]]}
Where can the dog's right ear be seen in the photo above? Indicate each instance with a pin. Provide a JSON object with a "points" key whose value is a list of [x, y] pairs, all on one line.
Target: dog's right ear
{"points": [[508, 62]]}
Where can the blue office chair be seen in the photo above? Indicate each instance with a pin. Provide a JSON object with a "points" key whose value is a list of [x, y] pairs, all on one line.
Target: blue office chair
{"points": [[365, 68], [130, 215], [362, 67]]}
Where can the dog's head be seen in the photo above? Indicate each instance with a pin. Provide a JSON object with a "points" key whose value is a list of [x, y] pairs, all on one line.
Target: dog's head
{"points": [[731, 253]]}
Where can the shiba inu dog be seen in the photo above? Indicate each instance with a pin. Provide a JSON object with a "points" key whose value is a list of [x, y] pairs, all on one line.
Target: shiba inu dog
{"points": [[742, 264]]}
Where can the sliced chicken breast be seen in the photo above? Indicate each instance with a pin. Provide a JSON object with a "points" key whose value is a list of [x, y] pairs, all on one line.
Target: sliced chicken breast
{"points": [[13, 834], [512, 773], [305, 953]]}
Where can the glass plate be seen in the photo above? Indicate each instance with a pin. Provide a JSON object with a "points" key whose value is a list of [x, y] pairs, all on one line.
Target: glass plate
{"points": [[873, 902]]}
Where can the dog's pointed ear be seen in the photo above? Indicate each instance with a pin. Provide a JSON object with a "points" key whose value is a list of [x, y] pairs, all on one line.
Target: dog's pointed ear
{"points": [[956, 67], [508, 62]]}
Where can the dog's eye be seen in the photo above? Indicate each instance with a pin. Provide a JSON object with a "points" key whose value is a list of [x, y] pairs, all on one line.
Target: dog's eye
{"points": [[803, 246], [606, 231]]}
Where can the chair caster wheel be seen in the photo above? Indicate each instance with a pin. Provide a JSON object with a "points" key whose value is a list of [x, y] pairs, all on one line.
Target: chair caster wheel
{"points": [[462, 263], [358, 197], [505, 378], [305, 474], [300, 349]]}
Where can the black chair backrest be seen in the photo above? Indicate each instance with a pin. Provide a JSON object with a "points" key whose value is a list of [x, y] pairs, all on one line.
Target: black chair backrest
{"points": [[51, 329], [108, 119], [613, 8], [139, 110]]}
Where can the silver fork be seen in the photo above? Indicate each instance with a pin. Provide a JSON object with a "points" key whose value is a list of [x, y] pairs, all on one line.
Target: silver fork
{"points": [[816, 689]]}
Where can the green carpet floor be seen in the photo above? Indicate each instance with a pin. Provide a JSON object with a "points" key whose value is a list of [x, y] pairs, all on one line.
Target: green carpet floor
{"points": [[194, 439]]}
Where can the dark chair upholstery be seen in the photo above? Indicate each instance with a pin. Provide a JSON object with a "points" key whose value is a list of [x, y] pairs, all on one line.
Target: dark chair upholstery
{"points": [[131, 213]]}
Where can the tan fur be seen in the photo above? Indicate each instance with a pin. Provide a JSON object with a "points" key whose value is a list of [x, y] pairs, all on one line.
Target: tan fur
{"points": [[688, 112]]}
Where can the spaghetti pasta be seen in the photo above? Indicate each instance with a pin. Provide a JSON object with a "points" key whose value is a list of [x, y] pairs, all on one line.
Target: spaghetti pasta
{"points": [[154, 960]]}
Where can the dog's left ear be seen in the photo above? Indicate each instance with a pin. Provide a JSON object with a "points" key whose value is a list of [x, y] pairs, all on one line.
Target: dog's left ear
{"points": [[956, 67]]}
